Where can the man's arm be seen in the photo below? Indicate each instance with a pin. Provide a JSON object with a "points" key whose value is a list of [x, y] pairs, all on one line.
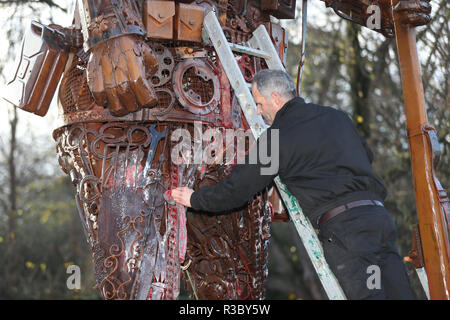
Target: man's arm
{"points": [[244, 182]]}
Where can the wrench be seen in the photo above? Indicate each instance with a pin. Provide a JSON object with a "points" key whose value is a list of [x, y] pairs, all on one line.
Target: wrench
{"points": [[156, 136]]}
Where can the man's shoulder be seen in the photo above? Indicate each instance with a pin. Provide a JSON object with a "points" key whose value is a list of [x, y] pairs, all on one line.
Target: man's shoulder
{"points": [[332, 110], [305, 111]]}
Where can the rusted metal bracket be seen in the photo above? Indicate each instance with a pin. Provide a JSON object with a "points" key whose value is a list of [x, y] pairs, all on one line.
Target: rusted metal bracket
{"points": [[415, 257]]}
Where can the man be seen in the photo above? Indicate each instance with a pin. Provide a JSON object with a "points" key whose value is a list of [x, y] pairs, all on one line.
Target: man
{"points": [[327, 166]]}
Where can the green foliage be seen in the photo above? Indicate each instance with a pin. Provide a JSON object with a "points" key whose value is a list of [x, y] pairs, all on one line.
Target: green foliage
{"points": [[47, 239]]}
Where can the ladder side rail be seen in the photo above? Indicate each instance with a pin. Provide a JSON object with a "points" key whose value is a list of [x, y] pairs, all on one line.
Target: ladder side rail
{"points": [[261, 40]]}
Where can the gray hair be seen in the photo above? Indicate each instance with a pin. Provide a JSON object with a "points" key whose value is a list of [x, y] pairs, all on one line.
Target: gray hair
{"points": [[270, 81]]}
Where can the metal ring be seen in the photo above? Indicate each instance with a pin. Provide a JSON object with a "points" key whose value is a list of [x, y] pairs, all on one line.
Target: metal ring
{"points": [[190, 76]]}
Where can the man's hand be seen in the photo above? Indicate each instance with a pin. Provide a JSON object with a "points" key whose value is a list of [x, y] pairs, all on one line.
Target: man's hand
{"points": [[117, 74], [182, 195]]}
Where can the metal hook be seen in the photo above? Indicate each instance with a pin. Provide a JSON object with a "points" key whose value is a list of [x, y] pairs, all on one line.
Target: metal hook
{"points": [[185, 268]]}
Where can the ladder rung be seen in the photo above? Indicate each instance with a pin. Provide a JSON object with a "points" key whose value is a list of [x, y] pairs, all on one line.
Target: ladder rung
{"points": [[249, 50]]}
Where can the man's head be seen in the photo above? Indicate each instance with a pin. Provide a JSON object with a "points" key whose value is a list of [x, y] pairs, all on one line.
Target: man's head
{"points": [[271, 89]]}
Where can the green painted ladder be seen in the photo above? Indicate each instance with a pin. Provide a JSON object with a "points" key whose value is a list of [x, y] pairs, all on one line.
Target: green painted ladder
{"points": [[261, 45]]}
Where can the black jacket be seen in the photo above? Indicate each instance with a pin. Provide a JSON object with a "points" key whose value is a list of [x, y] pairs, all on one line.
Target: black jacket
{"points": [[323, 161]]}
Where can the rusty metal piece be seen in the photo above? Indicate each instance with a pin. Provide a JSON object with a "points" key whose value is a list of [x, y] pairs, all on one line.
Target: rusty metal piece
{"points": [[117, 74], [166, 64], [191, 52], [77, 105], [185, 268], [208, 5], [416, 255], [106, 19], [118, 203], [279, 210], [242, 20], [235, 36], [357, 12], [74, 93], [133, 233], [435, 150], [189, 22], [196, 86], [247, 68], [281, 9], [225, 98], [411, 12], [414, 12], [158, 17], [38, 71], [164, 113], [228, 252], [236, 113]]}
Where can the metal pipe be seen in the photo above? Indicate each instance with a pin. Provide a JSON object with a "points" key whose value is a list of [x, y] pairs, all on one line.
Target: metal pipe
{"points": [[303, 45], [432, 226]]}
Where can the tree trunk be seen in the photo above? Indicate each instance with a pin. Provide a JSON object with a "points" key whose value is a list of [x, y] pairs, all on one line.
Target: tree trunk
{"points": [[12, 197], [359, 82]]}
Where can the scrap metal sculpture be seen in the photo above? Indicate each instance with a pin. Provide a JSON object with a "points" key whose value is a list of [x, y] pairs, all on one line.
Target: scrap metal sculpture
{"points": [[119, 154], [133, 73]]}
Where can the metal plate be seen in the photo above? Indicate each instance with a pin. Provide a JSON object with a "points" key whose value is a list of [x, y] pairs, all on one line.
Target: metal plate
{"points": [[166, 64]]}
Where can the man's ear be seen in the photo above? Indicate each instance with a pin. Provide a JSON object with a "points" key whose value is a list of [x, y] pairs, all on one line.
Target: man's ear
{"points": [[276, 97]]}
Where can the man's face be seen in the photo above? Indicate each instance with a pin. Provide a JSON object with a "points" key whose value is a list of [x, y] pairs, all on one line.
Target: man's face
{"points": [[266, 107]]}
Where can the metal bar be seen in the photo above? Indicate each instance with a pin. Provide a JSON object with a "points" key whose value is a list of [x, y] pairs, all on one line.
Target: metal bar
{"points": [[421, 273], [435, 242], [303, 46], [248, 50]]}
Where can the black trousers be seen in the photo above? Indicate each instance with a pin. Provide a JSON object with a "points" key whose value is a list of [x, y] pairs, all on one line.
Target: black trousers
{"points": [[359, 246]]}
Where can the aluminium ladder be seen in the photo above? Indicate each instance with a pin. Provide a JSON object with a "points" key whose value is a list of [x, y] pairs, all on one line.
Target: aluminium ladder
{"points": [[261, 45]]}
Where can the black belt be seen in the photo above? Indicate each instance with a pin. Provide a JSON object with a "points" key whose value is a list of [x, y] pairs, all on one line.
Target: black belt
{"points": [[334, 212]]}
